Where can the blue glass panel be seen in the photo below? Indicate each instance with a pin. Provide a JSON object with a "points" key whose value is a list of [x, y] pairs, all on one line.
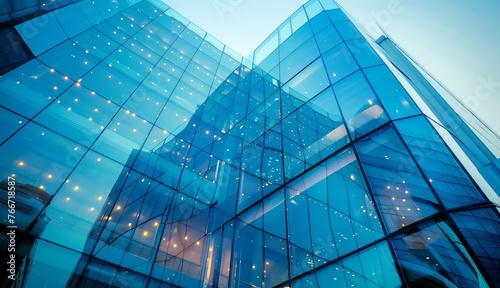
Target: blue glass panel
{"points": [[125, 134], [309, 82], [334, 198], [248, 262], [40, 160], [393, 96], [31, 87], [136, 15], [124, 23], [145, 103], [69, 60], [339, 63], [90, 12], [151, 42], [447, 176], [78, 202], [346, 29], [305, 140], [373, 267], [95, 43], [327, 38], [42, 33], [45, 258], [11, 123], [112, 31], [359, 105], [72, 20], [78, 114], [433, 255], [130, 64], [109, 83], [363, 52], [141, 50], [481, 229], [402, 193], [298, 59]]}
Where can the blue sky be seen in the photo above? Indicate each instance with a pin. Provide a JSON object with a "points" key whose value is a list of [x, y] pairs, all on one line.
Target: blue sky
{"points": [[456, 41]]}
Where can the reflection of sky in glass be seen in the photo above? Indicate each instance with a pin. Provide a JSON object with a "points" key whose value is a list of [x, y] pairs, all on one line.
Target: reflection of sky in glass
{"points": [[451, 43]]}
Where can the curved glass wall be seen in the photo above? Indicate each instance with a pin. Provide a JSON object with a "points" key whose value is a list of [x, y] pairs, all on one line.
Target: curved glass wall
{"points": [[146, 153]]}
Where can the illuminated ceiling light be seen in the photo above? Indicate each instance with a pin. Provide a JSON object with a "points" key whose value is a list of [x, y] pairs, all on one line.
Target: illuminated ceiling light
{"points": [[99, 198], [49, 176], [76, 188], [156, 224], [186, 238], [55, 88], [52, 70], [67, 199], [41, 187], [21, 163], [66, 77], [175, 245], [129, 224], [91, 208], [197, 243], [118, 207], [99, 159], [352, 177]]}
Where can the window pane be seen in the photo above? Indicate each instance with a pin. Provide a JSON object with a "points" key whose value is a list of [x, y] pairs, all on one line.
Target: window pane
{"points": [[402, 193], [361, 109]]}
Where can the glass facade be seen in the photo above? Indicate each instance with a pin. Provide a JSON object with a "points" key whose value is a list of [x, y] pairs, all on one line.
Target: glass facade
{"points": [[145, 153]]}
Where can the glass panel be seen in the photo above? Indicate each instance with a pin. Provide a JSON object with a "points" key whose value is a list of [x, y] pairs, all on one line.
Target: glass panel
{"points": [[72, 20], [403, 195], [433, 255], [79, 114], [393, 96], [42, 33], [46, 258], [248, 259], [11, 123], [309, 81], [334, 198], [446, 176], [40, 161], [339, 63], [363, 53], [68, 59], [361, 109], [31, 87], [313, 132], [373, 267], [109, 83], [481, 229], [123, 136], [95, 43]]}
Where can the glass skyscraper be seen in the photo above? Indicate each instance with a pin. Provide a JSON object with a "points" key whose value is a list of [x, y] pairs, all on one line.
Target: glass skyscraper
{"points": [[145, 153]]}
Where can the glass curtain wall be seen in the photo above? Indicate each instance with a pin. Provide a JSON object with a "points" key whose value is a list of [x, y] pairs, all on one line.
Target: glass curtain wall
{"points": [[148, 154]]}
